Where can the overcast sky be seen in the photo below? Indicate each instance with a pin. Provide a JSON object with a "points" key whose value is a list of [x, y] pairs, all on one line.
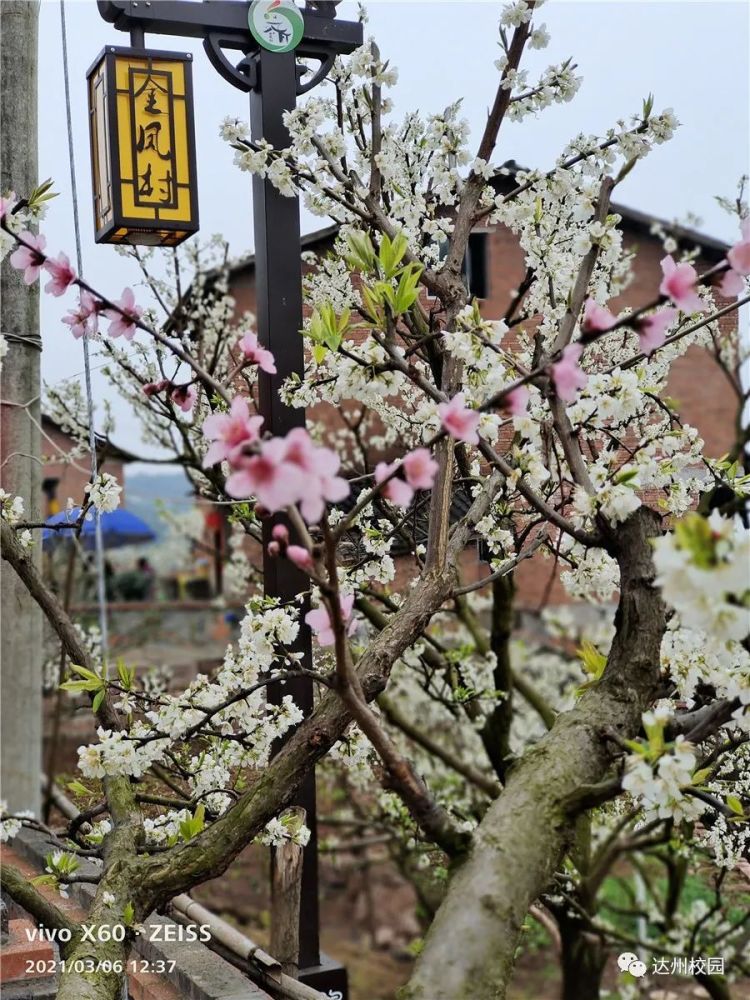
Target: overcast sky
{"points": [[693, 56]]}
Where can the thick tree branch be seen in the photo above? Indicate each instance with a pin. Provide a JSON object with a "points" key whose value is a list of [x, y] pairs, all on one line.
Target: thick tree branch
{"points": [[46, 913], [470, 947]]}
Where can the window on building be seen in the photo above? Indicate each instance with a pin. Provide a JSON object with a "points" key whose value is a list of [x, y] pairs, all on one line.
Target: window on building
{"points": [[49, 488], [475, 267]]}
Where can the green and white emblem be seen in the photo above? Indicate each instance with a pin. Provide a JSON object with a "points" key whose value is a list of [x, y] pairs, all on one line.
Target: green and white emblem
{"points": [[277, 25]]}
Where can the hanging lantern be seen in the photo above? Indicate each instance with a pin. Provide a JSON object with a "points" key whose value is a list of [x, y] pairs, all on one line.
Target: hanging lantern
{"points": [[143, 147]]}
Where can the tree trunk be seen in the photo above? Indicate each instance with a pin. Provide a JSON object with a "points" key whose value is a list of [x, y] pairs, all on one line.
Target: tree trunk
{"points": [[470, 949], [583, 959]]}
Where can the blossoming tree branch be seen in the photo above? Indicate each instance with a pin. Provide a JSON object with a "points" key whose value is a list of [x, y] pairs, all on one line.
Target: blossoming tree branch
{"points": [[510, 778]]}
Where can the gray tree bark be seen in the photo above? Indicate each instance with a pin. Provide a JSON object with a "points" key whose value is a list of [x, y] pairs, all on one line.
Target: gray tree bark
{"points": [[470, 949], [20, 475]]}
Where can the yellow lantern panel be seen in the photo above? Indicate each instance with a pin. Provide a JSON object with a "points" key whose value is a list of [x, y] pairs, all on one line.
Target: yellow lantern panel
{"points": [[143, 147]]}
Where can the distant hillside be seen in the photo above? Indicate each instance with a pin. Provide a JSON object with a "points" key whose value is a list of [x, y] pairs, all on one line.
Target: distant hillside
{"points": [[143, 489]]}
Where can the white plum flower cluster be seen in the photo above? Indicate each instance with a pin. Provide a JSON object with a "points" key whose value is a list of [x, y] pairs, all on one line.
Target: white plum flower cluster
{"points": [[12, 510], [104, 492], [10, 825], [233, 704], [661, 789], [703, 573]]}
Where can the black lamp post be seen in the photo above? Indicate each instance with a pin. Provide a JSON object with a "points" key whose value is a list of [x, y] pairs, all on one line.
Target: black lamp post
{"points": [[271, 37]]}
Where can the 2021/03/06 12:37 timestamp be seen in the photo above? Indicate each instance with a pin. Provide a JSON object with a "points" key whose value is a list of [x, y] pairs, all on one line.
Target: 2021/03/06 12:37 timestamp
{"points": [[133, 965]]}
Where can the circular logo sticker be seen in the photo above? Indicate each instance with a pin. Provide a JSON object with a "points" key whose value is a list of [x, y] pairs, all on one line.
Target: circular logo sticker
{"points": [[277, 25]]}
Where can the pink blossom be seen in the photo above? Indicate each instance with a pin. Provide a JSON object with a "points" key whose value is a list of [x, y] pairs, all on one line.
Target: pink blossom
{"points": [[596, 317], [420, 469], [230, 431], [300, 557], [29, 259], [567, 374], [184, 396], [154, 388], [652, 330], [396, 489], [679, 284], [7, 205], [124, 318], [85, 319], [739, 255], [280, 533], [320, 622], [256, 354], [732, 284], [459, 421], [517, 401], [62, 273], [269, 476], [319, 467]]}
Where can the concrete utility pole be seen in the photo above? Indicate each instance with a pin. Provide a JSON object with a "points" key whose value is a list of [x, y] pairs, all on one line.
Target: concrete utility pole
{"points": [[20, 448]]}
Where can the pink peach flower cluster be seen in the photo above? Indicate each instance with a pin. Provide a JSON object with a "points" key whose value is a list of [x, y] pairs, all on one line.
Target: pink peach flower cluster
{"points": [[320, 622], [733, 283], [517, 401], [418, 468], [257, 355], [124, 318], [680, 284], [278, 472], [29, 257], [652, 330], [567, 375], [280, 546], [458, 420], [596, 318], [183, 396], [84, 321]]}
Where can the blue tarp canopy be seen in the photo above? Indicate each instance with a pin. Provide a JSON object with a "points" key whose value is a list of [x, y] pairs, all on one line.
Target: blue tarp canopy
{"points": [[119, 527]]}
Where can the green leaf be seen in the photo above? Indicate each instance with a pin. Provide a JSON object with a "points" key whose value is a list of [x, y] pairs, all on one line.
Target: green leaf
{"points": [[82, 671], [361, 256], [626, 476], [408, 289], [78, 686], [700, 777], [41, 194], [693, 533], [126, 676], [735, 805], [77, 788], [98, 699], [44, 880], [326, 328], [128, 914], [391, 254], [190, 828], [593, 661]]}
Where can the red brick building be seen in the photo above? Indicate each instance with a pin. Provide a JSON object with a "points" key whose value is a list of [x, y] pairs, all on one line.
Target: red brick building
{"points": [[495, 266], [67, 468]]}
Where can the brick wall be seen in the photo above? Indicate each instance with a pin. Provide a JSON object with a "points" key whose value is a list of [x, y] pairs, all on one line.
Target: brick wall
{"points": [[696, 381], [72, 476]]}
